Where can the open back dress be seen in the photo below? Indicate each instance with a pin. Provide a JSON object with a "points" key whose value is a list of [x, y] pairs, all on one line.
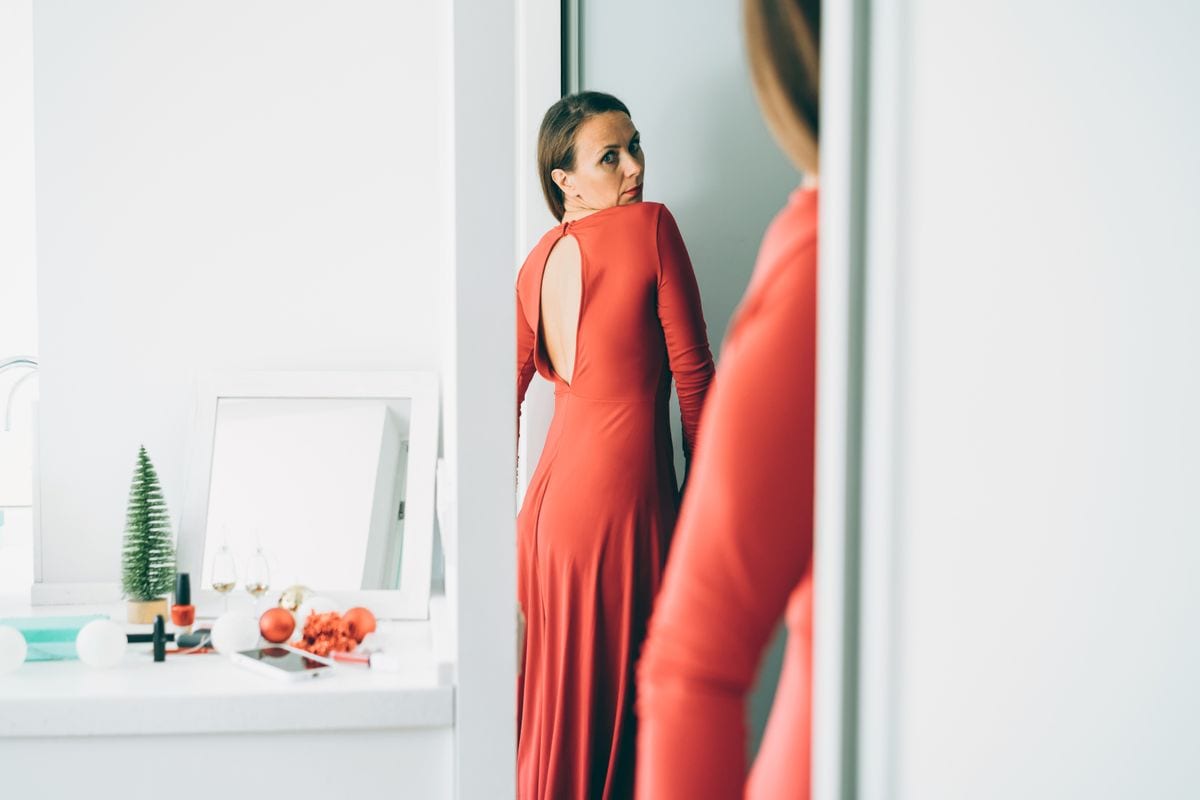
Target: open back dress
{"points": [[596, 521]]}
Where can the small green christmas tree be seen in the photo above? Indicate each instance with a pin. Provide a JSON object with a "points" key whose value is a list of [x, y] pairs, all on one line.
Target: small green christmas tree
{"points": [[148, 557]]}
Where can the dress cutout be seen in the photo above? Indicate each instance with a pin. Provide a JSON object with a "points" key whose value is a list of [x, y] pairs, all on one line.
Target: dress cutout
{"points": [[562, 281]]}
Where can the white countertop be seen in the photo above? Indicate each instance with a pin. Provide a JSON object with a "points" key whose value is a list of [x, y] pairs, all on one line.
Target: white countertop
{"points": [[208, 693]]}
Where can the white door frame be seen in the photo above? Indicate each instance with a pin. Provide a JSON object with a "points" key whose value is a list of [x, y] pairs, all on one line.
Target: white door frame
{"points": [[480, 37], [539, 84], [841, 304], [856, 484], [859, 389]]}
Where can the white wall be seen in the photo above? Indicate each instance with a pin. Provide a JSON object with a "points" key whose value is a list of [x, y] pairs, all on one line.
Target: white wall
{"points": [[18, 275], [709, 157], [18, 290], [1044, 603], [222, 185]]}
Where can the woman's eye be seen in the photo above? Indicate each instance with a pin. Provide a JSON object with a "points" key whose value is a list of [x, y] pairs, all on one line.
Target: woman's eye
{"points": [[609, 157], [635, 146]]}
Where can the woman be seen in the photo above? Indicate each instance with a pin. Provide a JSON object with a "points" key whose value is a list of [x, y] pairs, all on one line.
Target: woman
{"points": [[608, 311], [743, 551]]}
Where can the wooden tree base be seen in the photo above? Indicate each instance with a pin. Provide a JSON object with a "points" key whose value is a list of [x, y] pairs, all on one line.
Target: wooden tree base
{"points": [[143, 613]]}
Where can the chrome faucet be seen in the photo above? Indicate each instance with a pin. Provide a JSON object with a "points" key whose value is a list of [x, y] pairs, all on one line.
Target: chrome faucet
{"points": [[16, 362]]}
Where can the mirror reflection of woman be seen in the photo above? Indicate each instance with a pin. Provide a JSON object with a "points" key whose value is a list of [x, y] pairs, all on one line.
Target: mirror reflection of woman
{"points": [[742, 558], [608, 311]]}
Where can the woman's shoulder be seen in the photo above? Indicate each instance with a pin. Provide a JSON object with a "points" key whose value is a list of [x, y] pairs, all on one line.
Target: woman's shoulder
{"points": [[636, 232], [788, 253], [643, 213], [540, 250], [644, 216], [784, 283], [649, 213], [793, 230], [650, 209]]}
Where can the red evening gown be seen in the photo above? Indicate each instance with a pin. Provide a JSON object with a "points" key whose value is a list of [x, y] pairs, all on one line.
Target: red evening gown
{"points": [[593, 532], [743, 551]]}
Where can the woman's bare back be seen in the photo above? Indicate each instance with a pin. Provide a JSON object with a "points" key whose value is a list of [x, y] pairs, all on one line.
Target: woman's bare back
{"points": [[562, 293]]}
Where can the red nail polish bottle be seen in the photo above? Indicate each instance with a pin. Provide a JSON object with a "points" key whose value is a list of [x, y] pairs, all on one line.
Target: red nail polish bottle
{"points": [[183, 613]]}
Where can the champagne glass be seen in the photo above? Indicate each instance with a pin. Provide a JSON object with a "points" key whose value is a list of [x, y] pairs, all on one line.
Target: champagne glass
{"points": [[258, 575], [224, 574]]}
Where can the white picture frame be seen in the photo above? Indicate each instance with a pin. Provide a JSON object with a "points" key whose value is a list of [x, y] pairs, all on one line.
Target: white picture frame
{"points": [[410, 600]]}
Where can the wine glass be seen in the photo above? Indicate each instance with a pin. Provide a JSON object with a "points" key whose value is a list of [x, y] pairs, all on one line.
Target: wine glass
{"points": [[258, 575], [224, 574]]}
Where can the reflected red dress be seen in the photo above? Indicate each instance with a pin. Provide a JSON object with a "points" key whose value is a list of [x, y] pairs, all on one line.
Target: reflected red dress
{"points": [[593, 532], [743, 550]]}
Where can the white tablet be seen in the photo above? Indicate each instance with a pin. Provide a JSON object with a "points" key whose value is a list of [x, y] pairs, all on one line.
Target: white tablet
{"points": [[281, 663]]}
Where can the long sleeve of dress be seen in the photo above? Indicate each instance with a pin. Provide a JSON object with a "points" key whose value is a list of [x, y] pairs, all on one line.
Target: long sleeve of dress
{"points": [[683, 327], [526, 340], [742, 546]]}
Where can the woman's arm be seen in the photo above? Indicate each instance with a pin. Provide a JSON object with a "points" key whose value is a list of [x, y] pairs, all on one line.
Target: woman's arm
{"points": [[526, 340], [683, 327], [743, 543]]}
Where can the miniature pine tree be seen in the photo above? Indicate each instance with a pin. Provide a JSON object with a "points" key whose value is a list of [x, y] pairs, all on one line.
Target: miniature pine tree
{"points": [[148, 557]]}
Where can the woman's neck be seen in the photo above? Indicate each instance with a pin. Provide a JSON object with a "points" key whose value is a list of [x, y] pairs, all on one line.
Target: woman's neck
{"points": [[573, 214]]}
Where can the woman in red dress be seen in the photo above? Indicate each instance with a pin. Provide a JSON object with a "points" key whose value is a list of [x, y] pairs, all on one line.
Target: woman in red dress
{"points": [[743, 551], [608, 311]]}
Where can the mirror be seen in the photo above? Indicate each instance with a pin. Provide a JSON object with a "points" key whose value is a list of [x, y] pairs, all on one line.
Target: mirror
{"points": [[319, 479], [293, 476]]}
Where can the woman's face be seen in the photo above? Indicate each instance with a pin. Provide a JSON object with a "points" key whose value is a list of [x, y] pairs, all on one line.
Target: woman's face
{"points": [[609, 165]]}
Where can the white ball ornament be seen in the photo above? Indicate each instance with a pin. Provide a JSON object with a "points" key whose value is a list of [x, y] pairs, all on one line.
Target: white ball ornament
{"points": [[317, 604], [101, 643], [12, 649], [234, 631]]}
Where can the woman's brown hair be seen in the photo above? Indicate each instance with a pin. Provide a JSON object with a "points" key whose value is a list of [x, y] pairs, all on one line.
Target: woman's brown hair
{"points": [[556, 138], [784, 41]]}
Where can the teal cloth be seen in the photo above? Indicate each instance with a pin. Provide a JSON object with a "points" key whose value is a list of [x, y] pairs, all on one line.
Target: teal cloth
{"points": [[50, 638]]}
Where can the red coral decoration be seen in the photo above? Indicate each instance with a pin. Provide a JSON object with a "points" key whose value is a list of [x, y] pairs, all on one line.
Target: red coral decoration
{"points": [[324, 634]]}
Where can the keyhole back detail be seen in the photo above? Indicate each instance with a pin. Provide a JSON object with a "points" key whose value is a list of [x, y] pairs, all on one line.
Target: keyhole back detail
{"points": [[561, 302]]}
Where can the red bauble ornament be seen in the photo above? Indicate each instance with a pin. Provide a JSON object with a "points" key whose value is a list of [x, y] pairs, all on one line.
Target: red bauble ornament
{"points": [[276, 624], [359, 622]]}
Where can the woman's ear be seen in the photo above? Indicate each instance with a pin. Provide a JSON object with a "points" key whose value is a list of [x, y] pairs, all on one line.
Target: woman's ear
{"points": [[563, 180]]}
